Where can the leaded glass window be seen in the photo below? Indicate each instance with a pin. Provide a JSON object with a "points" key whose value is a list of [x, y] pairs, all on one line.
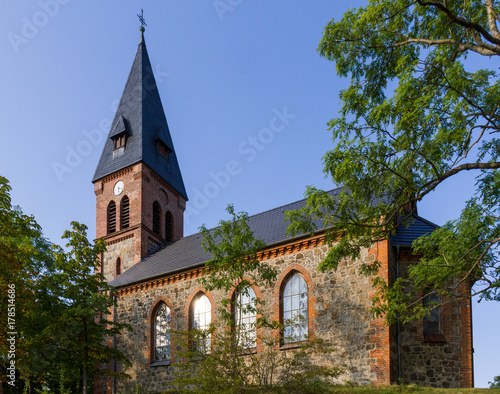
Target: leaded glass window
{"points": [[201, 319], [162, 333], [432, 319], [295, 309], [246, 318]]}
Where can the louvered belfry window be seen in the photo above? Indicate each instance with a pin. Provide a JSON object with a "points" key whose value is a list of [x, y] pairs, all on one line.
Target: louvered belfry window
{"points": [[169, 227], [111, 217], [156, 218], [125, 211]]}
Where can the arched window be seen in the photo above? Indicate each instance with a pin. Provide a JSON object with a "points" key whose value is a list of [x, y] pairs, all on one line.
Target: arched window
{"points": [[118, 266], [125, 212], [111, 217], [201, 317], [294, 316], [169, 227], [432, 321], [156, 218], [162, 326], [245, 317]]}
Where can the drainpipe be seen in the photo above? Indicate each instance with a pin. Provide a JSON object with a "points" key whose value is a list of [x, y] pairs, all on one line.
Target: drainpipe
{"points": [[114, 344], [399, 322]]}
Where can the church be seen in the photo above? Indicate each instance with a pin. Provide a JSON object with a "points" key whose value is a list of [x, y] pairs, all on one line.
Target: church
{"points": [[154, 268]]}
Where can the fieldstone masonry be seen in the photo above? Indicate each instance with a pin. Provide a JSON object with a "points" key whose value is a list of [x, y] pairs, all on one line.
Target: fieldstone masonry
{"points": [[339, 303]]}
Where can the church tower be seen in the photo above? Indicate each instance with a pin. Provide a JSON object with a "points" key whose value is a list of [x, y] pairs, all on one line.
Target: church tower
{"points": [[138, 184]]}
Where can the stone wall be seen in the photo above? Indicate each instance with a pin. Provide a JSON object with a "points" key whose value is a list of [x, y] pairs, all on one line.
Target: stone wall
{"points": [[440, 360], [339, 303], [338, 312]]}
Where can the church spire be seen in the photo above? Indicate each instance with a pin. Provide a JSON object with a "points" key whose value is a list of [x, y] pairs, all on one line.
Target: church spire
{"points": [[139, 132]]}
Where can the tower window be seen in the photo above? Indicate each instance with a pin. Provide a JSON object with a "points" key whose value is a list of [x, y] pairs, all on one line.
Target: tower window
{"points": [[118, 266], [169, 227], [125, 211], [111, 217], [156, 218]]}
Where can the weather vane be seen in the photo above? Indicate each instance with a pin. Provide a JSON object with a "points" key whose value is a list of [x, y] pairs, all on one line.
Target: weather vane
{"points": [[141, 19]]}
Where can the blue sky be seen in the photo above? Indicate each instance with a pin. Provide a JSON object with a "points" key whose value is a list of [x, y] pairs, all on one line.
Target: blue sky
{"points": [[224, 69]]}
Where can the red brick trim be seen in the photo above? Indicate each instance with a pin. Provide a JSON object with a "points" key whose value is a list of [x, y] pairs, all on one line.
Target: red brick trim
{"points": [[115, 241], [150, 326], [292, 247], [311, 299], [116, 175], [165, 281], [381, 336]]}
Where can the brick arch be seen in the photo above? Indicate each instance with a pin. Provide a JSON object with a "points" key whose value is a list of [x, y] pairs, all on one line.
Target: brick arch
{"points": [[150, 327], [311, 299], [254, 287]]}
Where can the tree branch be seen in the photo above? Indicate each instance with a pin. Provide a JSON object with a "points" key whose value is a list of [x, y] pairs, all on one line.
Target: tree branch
{"points": [[461, 21]]}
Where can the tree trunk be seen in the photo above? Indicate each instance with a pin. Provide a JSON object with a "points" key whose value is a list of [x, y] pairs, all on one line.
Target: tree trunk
{"points": [[85, 358]]}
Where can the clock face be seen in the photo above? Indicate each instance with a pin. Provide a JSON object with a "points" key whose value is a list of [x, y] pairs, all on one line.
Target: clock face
{"points": [[119, 186]]}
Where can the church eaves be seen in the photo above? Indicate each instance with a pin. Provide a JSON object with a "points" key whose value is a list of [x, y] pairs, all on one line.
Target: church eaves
{"points": [[141, 118]]}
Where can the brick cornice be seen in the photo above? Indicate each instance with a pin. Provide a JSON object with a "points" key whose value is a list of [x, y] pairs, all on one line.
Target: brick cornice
{"points": [[121, 235], [291, 247], [116, 174], [266, 254]]}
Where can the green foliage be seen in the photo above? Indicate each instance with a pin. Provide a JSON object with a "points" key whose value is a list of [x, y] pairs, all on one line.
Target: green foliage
{"points": [[496, 383], [234, 261], [61, 303], [416, 113], [230, 368]]}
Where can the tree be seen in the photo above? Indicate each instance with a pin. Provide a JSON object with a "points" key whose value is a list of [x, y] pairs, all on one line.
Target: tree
{"points": [[85, 302], [496, 383], [25, 256], [58, 309], [418, 111]]}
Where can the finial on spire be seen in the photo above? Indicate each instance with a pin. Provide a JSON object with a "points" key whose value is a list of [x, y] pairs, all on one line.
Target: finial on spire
{"points": [[141, 19]]}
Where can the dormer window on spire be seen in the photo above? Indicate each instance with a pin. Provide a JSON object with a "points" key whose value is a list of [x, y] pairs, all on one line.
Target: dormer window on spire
{"points": [[119, 141], [163, 150]]}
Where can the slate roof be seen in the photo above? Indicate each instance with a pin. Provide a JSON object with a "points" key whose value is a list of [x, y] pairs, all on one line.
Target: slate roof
{"points": [[269, 226], [417, 227], [140, 115]]}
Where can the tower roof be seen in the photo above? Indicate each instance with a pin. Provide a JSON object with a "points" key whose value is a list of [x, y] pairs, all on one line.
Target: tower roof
{"points": [[141, 118]]}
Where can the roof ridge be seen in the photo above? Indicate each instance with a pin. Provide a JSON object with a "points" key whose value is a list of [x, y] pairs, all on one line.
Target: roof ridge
{"points": [[426, 221], [163, 246]]}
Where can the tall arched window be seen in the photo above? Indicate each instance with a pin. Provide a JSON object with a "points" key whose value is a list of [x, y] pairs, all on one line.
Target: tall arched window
{"points": [[245, 317], [294, 316], [111, 217], [156, 218], [118, 266], [169, 227], [125, 212], [201, 317], [162, 326], [432, 321]]}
